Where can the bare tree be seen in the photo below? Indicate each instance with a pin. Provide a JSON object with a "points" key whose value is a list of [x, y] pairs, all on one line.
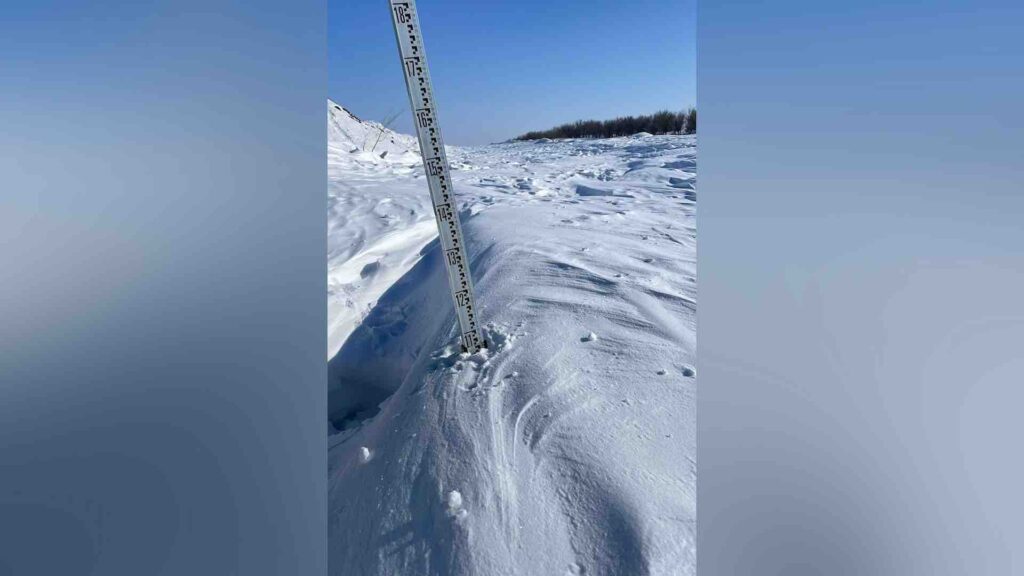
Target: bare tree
{"points": [[383, 126]]}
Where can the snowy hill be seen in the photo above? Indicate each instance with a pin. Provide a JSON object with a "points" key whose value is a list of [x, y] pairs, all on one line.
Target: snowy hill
{"points": [[353, 140], [568, 446]]}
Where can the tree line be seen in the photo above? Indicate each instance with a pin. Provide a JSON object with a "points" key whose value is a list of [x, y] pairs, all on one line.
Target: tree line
{"points": [[664, 122]]}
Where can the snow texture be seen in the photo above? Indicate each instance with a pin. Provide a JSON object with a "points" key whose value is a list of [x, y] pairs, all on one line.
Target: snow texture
{"points": [[568, 445]]}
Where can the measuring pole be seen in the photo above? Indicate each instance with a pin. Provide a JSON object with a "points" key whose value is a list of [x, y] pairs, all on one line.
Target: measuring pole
{"points": [[435, 162]]}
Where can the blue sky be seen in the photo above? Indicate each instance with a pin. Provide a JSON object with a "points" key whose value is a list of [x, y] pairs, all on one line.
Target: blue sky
{"points": [[503, 67]]}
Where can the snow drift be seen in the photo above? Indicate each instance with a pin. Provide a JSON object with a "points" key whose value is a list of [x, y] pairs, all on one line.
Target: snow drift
{"points": [[567, 446]]}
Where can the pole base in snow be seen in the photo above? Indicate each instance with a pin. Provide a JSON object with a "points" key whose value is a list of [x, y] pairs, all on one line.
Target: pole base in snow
{"points": [[482, 346]]}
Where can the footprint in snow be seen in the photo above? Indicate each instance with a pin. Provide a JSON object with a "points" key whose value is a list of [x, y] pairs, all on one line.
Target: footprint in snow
{"points": [[370, 269]]}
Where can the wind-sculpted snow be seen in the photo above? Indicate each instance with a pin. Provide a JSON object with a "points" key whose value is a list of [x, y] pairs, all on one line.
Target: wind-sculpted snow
{"points": [[568, 445]]}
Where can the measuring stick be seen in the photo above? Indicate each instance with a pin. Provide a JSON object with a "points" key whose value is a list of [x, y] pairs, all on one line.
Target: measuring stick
{"points": [[435, 162]]}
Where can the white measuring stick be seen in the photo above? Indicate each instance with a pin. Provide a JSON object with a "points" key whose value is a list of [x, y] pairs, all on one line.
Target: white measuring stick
{"points": [[435, 162]]}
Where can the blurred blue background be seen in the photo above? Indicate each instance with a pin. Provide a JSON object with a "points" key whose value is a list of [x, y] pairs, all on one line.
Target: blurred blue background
{"points": [[162, 374], [504, 67], [861, 272]]}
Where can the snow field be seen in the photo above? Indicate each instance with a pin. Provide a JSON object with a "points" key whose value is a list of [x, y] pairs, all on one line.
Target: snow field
{"points": [[568, 445]]}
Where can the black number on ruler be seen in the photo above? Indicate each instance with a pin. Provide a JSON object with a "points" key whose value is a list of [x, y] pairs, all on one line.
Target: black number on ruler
{"points": [[454, 259], [412, 66], [470, 340], [402, 13], [424, 118], [434, 167], [462, 298], [444, 212]]}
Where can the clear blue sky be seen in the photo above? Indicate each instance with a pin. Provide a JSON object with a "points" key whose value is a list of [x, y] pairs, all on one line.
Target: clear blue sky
{"points": [[503, 67]]}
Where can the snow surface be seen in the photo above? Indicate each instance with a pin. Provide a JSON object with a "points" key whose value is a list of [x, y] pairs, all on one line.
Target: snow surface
{"points": [[566, 447]]}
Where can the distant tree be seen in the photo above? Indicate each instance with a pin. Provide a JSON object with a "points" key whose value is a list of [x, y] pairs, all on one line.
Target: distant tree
{"points": [[663, 122]]}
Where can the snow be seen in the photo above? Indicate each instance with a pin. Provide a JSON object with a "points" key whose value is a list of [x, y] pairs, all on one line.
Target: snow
{"points": [[455, 509], [568, 445]]}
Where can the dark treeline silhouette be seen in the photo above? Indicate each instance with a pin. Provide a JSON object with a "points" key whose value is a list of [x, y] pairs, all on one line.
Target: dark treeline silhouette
{"points": [[664, 122]]}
